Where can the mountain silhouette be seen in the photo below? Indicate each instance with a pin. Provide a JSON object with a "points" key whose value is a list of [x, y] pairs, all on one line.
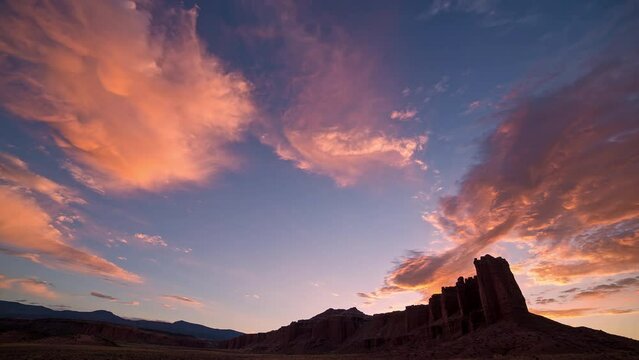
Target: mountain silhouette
{"points": [[14, 310]]}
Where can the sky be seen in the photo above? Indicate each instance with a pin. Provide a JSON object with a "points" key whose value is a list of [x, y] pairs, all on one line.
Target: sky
{"points": [[244, 164]]}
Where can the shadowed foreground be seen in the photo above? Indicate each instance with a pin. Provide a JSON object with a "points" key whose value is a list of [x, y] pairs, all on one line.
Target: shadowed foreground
{"points": [[77, 352]]}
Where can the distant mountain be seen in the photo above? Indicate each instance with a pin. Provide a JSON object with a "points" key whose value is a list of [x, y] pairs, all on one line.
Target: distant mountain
{"points": [[87, 332], [14, 310], [480, 316]]}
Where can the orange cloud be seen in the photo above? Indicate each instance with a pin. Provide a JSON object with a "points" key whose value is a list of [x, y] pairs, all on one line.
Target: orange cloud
{"points": [[335, 121], [16, 172], [137, 105], [39, 288], [27, 231], [347, 155], [560, 174]]}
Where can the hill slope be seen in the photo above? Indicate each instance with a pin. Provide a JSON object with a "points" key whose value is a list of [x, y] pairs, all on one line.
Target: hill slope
{"points": [[14, 310]]}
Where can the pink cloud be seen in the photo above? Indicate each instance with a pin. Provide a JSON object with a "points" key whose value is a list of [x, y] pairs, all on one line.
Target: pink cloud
{"points": [[135, 106], [403, 115], [39, 288], [336, 120], [578, 312], [180, 299], [559, 175]]}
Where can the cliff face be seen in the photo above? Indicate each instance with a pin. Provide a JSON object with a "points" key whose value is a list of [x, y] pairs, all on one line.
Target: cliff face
{"points": [[500, 295], [490, 296]]}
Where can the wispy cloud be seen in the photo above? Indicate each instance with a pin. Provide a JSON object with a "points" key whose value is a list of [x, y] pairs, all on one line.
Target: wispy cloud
{"points": [[35, 287], [135, 106], [603, 290], [113, 299], [154, 240], [182, 299], [102, 296], [28, 231], [441, 86], [16, 172], [403, 115], [438, 7], [473, 106], [544, 301], [579, 312]]}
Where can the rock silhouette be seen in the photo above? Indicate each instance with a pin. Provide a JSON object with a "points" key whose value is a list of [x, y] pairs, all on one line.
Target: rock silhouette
{"points": [[480, 303], [479, 317], [14, 310], [86, 332]]}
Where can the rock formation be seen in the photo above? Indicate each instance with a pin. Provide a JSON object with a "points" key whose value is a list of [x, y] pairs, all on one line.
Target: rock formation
{"points": [[500, 295], [490, 296]]}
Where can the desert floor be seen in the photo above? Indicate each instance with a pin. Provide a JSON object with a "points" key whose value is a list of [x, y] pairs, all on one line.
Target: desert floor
{"points": [[85, 352]]}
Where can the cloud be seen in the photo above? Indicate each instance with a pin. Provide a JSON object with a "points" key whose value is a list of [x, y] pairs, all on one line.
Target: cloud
{"points": [[130, 303], [441, 86], [182, 299], [603, 290], [463, 6], [578, 312], [473, 106], [140, 105], [335, 118], [183, 250], [155, 240], [403, 115], [558, 174], [16, 172], [102, 296], [114, 299], [544, 301], [35, 287], [366, 295], [28, 231], [347, 156]]}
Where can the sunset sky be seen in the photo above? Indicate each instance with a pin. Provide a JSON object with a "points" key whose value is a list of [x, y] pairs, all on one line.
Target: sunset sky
{"points": [[244, 164]]}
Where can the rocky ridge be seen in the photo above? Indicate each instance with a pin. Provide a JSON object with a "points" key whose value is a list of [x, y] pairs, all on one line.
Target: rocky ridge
{"points": [[484, 314]]}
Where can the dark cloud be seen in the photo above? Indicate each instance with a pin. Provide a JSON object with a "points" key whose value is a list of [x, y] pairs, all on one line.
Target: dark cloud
{"points": [[544, 301], [607, 289], [103, 296]]}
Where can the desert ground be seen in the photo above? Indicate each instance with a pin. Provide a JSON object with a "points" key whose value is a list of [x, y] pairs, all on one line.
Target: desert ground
{"points": [[136, 352]]}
